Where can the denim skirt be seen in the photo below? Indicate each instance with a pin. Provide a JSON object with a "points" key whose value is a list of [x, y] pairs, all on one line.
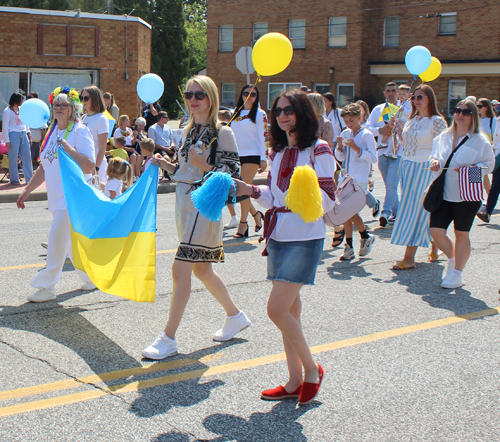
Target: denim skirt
{"points": [[294, 261]]}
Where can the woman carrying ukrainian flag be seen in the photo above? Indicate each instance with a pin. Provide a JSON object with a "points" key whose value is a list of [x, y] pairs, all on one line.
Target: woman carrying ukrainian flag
{"points": [[75, 138]]}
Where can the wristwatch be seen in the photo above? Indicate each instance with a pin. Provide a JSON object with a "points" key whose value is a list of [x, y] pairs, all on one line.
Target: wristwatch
{"points": [[96, 168]]}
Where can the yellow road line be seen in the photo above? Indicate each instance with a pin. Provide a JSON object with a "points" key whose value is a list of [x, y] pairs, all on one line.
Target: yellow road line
{"points": [[235, 366]]}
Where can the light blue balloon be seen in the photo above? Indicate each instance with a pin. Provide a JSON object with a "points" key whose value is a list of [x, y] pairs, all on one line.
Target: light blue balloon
{"points": [[34, 113], [418, 59], [150, 88]]}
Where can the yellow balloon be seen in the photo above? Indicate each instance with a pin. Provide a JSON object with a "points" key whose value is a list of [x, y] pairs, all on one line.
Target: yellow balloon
{"points": [[432, 72], [272, 54]]}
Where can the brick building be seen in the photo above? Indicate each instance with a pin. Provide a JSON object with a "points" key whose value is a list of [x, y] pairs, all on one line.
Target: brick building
{"points": [[353, 47], [43, 49]]}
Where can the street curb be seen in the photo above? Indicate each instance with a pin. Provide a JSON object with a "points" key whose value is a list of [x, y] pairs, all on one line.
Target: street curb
{"points": [[41, 195]]}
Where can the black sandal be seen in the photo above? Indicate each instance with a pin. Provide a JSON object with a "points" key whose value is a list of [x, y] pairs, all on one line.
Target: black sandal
{"points": [[338, 238], [242, 235], [257, 226]]}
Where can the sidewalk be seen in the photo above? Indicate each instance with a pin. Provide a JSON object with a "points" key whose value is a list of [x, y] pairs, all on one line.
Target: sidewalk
{"points": [[9, 193]]}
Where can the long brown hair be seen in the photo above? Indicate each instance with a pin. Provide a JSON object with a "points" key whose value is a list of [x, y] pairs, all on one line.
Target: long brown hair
{"points": [[432, 106], [487, 103], [97, 101]]}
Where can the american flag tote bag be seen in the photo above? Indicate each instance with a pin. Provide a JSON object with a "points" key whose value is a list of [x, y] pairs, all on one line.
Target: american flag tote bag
{"points": [[471, 183]]}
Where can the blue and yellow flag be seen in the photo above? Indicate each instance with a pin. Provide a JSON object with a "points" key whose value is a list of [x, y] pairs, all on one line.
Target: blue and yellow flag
{"points": [[113, 241], [388, 111]]}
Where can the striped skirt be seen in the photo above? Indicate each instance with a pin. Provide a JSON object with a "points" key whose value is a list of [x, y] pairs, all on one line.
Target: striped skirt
{"points": [[412, 223]]}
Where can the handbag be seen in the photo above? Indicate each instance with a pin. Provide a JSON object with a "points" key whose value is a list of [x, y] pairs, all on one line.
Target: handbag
{"points": [[349, 199], [434, 196]]}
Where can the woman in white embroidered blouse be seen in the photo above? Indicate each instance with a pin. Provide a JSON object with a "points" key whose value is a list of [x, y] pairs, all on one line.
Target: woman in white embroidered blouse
{"points": [[294, 247], [411, 228]]}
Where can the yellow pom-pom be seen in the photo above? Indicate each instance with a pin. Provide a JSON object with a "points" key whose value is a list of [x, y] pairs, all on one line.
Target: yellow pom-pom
{"points": [[304, 195]]}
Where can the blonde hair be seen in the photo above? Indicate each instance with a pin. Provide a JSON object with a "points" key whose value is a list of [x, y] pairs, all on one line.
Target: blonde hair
{"points": [[122, 118], [208, 85], [63, 98], [318, 103], [475, 126], [121, 170], [351, 110], [148, 144]]}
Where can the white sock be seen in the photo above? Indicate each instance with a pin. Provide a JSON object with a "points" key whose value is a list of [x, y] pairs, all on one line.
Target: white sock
{"points": [[236, 316], [458, 272], [451, 263]]}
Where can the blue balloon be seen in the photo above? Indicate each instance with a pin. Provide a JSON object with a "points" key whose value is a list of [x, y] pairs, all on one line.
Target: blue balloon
{"points": [[150, 88], [418, 59], [34, 113]]}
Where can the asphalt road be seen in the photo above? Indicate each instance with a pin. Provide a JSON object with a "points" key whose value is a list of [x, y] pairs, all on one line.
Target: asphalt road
{"points": [[404, 359]]}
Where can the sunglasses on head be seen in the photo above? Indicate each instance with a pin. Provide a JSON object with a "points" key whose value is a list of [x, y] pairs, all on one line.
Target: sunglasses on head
{"points": [[86, 98], [289, 110], [246, 94], [198, 95], [464, 112], [417, 97]]}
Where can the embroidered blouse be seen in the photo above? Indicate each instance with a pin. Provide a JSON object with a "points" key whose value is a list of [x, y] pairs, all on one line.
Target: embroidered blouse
{"points": [[418, 134], [291, 227]]}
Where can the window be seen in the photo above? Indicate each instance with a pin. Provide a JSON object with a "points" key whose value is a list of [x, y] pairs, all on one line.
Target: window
{"points": [[259, 29], [297, 33], [321, 88], [337, 31], [391, 32], [226, 38], [448, 23], [345, 94], [456, 92], [274, 89], [228, 94]]}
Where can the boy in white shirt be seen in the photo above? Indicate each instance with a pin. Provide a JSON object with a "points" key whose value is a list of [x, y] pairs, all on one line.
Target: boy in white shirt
{"points": [[356, 146]]}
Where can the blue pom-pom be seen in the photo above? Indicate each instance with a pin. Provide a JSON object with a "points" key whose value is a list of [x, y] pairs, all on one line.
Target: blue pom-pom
{"points": [[211, 197]]}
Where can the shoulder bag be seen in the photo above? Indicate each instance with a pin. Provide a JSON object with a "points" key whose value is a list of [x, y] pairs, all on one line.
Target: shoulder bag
{"points": [[434, 197]]}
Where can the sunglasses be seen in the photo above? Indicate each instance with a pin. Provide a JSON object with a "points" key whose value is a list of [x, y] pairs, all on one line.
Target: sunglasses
{"points": [[86, 98], [246, 94], [464, 112], [289, 110], [480, 106], [60, 106], [417, 97], [198, 95]]}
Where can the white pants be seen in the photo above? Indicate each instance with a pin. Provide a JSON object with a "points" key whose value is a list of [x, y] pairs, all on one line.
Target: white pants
{"points": [[59, 247]]}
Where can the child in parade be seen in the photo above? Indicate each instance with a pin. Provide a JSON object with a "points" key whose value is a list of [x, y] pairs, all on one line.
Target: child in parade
{"points": [[208, 147], [356, 147], [147, 146], [124, 130], [119, 172]]}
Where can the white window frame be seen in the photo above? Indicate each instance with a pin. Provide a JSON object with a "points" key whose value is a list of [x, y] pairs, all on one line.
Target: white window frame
{"points": [[339, 85], [450, 82], [386, 45], [224, 92], [225, 42], [339, 39], [284, 86], [297, 41], [257, 31], [447, 14], [316, 85]]}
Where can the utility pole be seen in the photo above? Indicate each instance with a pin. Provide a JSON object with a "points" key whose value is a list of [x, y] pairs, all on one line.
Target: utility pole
{"points": [[110, 7]]}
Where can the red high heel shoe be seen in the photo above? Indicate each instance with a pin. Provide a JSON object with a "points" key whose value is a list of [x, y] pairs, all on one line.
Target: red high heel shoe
{"points": [[279, 393], [309, 390]]}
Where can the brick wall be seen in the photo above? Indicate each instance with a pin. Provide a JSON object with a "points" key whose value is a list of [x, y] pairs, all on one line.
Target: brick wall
{"points": [[477, 39], [20, 48]]}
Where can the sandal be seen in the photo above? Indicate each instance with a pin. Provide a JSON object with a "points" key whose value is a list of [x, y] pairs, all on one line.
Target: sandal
{"points": [[433, 257], [338, 238], [244, 234], [258, 226], [402, 266]]}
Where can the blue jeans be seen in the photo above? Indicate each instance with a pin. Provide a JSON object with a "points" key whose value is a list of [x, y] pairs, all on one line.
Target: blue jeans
{"points": [[389, 170], [370, 200], [20, 146]]}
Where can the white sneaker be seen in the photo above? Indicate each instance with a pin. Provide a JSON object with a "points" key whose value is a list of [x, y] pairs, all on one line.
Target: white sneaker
{"points": [[348, 253], [162, 347], [232, 327], [233, 223], [449, 268], [42, 295], [452, 281], [366, 246], [88, 286]]}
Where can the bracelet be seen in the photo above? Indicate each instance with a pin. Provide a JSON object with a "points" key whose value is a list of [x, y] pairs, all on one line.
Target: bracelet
{"points": [[256, 192]]}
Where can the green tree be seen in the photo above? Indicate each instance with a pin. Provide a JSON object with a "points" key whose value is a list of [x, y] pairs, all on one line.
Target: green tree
{"points": [[196, 28]]}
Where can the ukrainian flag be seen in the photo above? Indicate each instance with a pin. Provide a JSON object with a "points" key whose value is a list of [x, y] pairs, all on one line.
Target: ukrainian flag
{"points": [[114, 241], [388, 111]]}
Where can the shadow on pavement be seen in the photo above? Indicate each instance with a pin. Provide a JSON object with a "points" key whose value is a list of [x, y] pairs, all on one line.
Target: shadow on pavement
{"points": [[279, 424], [345, 271]]}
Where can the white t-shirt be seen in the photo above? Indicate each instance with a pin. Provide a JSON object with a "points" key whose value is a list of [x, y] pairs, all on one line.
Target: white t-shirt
{"points": [[127, 134], [81, 139], [251, 137], [488, 126], [98, 124], [114, 185], [337, 122]]}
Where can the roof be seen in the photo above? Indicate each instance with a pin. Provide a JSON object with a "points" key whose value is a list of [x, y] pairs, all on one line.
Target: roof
{"points": [[71, 14]]}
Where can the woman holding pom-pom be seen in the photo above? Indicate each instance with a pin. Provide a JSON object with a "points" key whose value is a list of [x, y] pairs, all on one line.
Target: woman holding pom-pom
{"points": [[208, 147], [294, 247]]}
